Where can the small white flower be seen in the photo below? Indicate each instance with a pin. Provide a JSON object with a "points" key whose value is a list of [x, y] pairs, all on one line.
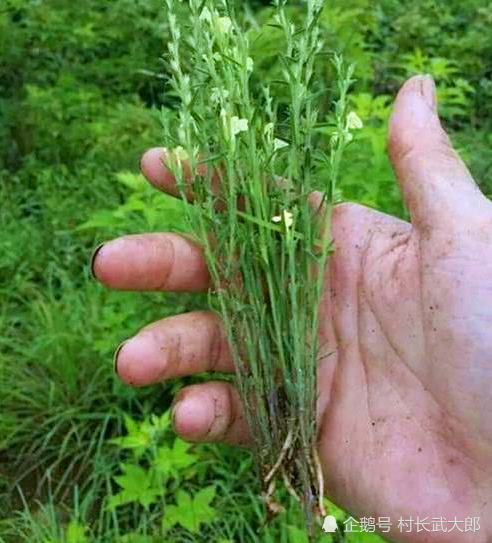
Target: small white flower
{"points": [[180, 153], [238, 125], [279, 144], [224, 24], [287, 218], [353, 121], [344, 136]]}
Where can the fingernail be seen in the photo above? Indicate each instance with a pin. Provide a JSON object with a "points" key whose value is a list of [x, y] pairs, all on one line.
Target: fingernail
{"points": [[93, 258], [189, 419], [428, 90], [117, 352]]}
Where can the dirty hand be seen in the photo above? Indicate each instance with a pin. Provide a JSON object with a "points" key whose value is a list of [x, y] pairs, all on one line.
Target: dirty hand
{"points": [[404, 411]]}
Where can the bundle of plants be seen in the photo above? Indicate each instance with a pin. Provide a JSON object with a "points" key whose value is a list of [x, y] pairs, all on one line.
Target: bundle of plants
{"points": [[248, 165]]}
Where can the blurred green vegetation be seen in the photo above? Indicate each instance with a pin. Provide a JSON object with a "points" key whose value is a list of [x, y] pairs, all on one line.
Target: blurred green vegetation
{"points": [[81, 87]]}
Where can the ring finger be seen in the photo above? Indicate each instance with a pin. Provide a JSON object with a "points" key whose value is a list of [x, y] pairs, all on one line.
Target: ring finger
{"points": [[173, 347]]}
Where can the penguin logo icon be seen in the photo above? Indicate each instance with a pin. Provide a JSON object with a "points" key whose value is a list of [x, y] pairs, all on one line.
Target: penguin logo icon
{"points": [[330, 524]]}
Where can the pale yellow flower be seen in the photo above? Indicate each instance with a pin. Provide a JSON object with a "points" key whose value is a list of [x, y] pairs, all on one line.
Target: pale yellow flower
{"points": [[287, 218], [238, 125], [344, 136], [279, 144], [180, 153], [224, 24], [353, 121]]}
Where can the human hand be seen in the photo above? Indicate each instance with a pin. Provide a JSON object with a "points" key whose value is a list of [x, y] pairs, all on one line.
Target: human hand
{"points": [[404, 400]]}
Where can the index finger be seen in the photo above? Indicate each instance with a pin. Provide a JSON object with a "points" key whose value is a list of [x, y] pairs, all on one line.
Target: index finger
{"points": [[152, 166]]}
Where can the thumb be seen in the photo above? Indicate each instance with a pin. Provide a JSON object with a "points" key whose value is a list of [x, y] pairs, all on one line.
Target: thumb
{"points": [[437, 187]]}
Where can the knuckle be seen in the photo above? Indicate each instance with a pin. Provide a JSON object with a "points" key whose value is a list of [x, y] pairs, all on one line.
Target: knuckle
{"points": [[164, 251], [224, 414], [216, 346]]}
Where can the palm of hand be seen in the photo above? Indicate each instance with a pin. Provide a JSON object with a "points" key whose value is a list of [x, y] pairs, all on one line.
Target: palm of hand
{"points": [[404, 425], [407, 313]]}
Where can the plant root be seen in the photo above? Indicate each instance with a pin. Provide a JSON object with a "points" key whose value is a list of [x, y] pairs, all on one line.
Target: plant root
{"points": [[321, 481], [278, 463]]}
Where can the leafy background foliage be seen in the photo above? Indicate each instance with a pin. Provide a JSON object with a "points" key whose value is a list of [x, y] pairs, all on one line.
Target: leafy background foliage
{"points": [[81, 85]]}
